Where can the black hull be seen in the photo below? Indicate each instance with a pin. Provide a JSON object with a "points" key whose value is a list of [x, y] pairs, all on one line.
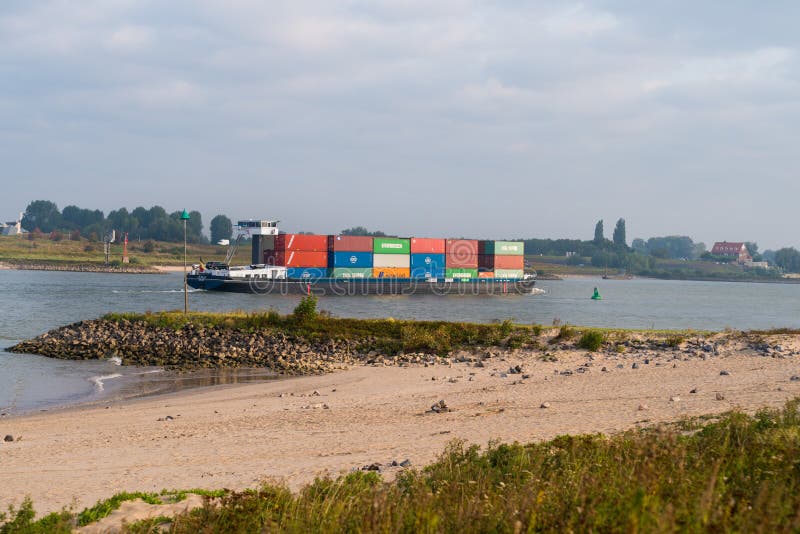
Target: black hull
{"points": [[371, 286]]}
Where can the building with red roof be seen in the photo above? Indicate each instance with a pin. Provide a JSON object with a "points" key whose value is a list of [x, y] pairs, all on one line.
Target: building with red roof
{"points": [[735, 251]]}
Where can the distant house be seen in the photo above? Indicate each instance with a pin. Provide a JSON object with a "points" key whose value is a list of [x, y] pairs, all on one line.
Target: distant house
{"points": [[735, 251], [13, 227]]}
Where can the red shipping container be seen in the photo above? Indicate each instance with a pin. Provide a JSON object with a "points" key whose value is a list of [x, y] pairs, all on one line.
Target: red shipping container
{"points": [[466, 261], [306, 242], [461, 253], [465, 247], [349, 243], [296, 258], [490, 261], [427, 245]]}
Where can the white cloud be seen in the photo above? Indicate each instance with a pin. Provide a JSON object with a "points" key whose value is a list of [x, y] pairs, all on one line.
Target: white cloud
{"points": [[130, 38], [761, 66], [178, 93], [579, 21]]}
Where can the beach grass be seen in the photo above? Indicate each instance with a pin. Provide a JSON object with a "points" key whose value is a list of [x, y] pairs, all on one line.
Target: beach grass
{"points": [[387, 335], [732, 472]]}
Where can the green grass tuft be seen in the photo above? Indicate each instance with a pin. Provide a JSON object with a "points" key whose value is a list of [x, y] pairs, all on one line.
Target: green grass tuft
{"points": [[591, 340]]}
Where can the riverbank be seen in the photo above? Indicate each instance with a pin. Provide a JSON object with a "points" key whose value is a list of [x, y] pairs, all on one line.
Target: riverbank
{"points": [[81, 268], [292, 431]]}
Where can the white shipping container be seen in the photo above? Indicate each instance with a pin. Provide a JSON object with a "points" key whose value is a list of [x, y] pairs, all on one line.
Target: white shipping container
{"points": [[391, 260]]}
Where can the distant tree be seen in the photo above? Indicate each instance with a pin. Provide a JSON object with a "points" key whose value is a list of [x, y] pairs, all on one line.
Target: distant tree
{"points": [[788, 259], [360, 230], [80, 218], [698, 250], [41, 214], [221, 228], [673, 246], [752, 249], [639, 245], [598, 232], [619, 233]]}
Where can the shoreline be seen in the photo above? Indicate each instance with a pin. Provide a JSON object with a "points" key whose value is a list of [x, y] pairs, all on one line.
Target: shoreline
{"points": [[236, 436], [143, 382], [84, 268]]}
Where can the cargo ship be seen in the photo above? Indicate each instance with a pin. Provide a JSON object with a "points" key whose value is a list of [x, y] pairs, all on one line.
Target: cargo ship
{"points": [[283, 263]]}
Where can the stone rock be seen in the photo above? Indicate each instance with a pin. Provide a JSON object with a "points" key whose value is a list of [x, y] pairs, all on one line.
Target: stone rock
{"points": [[642, 407], [647, 361], [604, 370], [719, 396], [372, 467], [795, 378], [693, 391], [9, 438], [635, 365], [544, 405], [674, 399], [440, 407], [517, 369], [405, 463], [724, 373], [315, 393]]}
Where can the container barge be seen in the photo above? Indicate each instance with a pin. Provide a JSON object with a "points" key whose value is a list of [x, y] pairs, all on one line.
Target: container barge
{"points": [[363, 265]]}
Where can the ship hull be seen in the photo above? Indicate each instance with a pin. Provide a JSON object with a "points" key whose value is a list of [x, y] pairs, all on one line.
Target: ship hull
{"points": [[366, 286]]}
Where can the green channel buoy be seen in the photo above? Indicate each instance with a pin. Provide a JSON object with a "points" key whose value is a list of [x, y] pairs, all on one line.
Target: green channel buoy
{"points": [[596, 295]]}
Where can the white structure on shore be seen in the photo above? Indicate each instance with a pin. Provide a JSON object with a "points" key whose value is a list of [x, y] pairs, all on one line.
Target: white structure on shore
{"points": [[13, 227]]}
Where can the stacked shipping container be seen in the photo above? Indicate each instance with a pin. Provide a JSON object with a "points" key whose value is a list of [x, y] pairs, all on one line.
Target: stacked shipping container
{"points": [[461, 258], [317, 256], [427, 258], [304, 256], [391, 258], [501, 259], [350, 256]]}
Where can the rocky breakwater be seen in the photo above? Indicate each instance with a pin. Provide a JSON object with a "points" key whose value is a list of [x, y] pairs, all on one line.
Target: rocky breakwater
{"points": [[193, 346]]}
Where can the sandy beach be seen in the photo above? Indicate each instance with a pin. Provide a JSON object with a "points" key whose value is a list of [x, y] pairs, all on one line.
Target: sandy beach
{"points": [[296, 429]]}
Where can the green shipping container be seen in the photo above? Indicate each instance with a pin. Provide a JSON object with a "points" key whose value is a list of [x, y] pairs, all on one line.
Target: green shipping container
{"points": [[503, 248], [508, 273], [351, 272], [391, 245], [460, 273]]}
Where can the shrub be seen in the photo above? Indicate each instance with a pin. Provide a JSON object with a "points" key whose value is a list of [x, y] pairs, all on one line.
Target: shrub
{"points": [[88, 248], [536, 330], [565, 333], [674, 341], [591, 340], [306, 310], [149, 246]]}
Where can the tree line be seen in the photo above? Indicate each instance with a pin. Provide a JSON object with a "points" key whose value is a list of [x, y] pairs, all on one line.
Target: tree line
{"points": [[140, 223]]}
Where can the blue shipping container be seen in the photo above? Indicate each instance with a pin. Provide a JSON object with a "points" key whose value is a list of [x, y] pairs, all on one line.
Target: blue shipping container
{"points": [[349, 259], [307, 273], [427, 265]]}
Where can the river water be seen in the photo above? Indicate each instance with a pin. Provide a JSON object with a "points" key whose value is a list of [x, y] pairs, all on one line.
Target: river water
{"points": [[32, 302]]}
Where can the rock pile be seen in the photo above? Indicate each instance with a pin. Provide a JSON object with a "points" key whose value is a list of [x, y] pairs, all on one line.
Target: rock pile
{"points": [[197, 346]]}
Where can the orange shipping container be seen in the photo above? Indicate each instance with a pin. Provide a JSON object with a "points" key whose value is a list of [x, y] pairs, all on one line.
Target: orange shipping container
{"points": [[426, 245], [391, 272], [306, 242], [296, 258], [486, 275], [486, 261]]}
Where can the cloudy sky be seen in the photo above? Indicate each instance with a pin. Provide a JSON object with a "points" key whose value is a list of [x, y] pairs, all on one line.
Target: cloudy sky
{"points": [[453, 117]]}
